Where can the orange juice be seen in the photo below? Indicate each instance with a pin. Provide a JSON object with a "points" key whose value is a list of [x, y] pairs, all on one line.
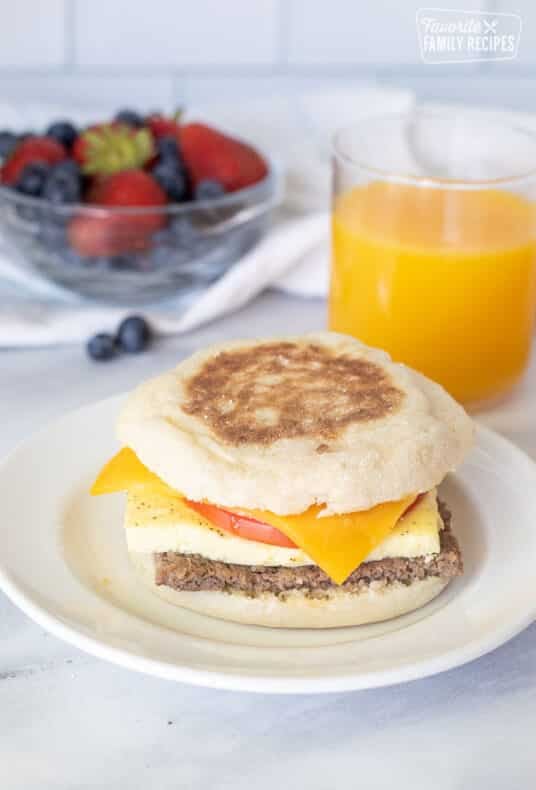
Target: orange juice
{"points": [[443, 279]]}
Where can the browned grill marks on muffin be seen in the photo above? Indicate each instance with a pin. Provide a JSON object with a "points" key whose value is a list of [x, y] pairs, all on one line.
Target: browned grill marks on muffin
{"points": [[285, 390], [194, 573]]}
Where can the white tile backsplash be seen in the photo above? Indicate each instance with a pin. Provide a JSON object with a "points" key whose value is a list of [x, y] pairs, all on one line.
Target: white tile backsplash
{"points": [[476, 88], [345, 31], [32, 33], [171, 33], [382, 32], [527, 45], [166, 52], [202, 89], [90, 92]]}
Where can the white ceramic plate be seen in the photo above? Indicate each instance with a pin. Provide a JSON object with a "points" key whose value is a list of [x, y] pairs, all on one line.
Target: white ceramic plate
{"points": [[63, 561]]}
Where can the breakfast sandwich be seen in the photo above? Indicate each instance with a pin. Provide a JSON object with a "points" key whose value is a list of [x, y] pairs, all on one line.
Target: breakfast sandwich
{"points": [[290, 482]]}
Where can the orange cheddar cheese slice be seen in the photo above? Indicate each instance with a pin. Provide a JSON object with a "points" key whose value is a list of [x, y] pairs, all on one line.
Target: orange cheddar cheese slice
{"points": [[124, 471], [338, 544]]}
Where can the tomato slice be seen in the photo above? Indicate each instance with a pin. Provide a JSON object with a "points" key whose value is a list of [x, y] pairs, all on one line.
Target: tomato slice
{"points": [[250, 528], [244, 527]]}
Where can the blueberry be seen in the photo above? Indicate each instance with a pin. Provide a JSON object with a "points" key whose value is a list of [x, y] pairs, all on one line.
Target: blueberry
{"points": [[68, 166], [29, 214], [183, 231], [8, 141], [163, 238], [121, 262], [209, 189], [161, 257], [168, 149], [32, 179], [52, 234], [101, 346], [172, 179], [133, 334], [72, 258], [63, 183], [63, 132], [130, 118]]}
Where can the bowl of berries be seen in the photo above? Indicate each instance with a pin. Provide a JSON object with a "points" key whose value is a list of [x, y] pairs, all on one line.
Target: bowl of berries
{"points": [[135, 209]]}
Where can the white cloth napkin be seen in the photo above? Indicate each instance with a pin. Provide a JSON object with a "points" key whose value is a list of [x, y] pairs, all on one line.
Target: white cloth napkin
{"points": [[301, 243], [293, 257]]}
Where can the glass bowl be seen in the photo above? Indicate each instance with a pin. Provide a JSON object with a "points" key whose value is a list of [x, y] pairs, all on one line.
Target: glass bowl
{"points": [[136, 255]]}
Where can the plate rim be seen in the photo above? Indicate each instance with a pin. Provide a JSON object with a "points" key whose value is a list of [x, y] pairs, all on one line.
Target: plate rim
{"points": [[259, 682]]}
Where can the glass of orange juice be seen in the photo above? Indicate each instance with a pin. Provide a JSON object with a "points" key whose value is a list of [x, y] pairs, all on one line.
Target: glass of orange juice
{"points": [[434, 255]]}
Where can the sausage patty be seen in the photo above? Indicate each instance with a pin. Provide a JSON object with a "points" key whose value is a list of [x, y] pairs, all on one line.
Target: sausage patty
{"points": [[194, 572]]}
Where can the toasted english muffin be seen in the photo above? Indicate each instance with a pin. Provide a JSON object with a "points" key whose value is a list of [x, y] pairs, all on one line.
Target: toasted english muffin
{"points": [[287, 423]]}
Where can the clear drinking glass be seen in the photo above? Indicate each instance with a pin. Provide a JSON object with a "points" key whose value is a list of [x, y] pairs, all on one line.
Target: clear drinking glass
{"points": [[433, 255]]}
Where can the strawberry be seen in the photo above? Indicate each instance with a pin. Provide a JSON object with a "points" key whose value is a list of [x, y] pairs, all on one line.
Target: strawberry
{"points": [[29, 151], [211, 155], [132, 189], [80, 146], [109, 234], [113, 147], [114, 233], [161, 126]]}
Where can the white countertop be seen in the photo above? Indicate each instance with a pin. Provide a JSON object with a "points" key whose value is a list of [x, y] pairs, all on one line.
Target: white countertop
{"points": [[68, 720]]}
